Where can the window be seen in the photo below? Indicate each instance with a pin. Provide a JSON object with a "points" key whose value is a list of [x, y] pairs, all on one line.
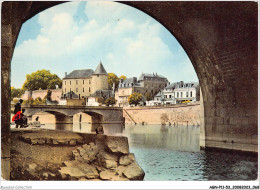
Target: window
{"points": [[190, 93], [83, 83], [65, 82], [76, 89], [89, 81], [89, 89], [83, 88], [181, 94], [187, 94], [70, 82], [177, 94], [165, 96], [76, 82], [65, 90], [170, 96]]}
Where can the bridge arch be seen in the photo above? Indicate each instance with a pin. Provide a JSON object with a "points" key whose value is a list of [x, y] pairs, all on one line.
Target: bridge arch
{"points": [[220, 39], [65, 115]]}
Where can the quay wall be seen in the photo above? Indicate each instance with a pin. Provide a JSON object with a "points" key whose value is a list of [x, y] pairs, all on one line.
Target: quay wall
{"points": [[55, 95], [178, 115]]}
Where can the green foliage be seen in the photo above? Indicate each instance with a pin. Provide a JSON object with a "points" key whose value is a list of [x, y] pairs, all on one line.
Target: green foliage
{"points": [[122, 77], [16, 100], [29, 101], [100, 100], [148, 96], [53, 82], [110, 101], [135, 98], [16, 92], [41, 79], [38, 101], [112, 78]]}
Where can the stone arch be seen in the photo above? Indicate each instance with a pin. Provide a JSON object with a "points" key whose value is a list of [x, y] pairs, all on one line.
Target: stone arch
{"points": [[96, 117], [61, 117], [220, 39]]}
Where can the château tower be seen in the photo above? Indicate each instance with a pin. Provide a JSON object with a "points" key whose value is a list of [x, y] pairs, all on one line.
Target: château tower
{"points": [[99, 79]]}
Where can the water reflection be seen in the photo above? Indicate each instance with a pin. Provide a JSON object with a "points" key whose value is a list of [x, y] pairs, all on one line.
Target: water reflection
{"points": [[183, 138], [173, 153]]}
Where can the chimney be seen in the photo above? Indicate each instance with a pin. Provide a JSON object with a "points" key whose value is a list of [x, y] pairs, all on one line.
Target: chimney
{"points": [[65, 74]]}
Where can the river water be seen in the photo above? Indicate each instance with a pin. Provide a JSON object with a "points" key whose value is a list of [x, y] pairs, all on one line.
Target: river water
{"points": [[173, 153]]}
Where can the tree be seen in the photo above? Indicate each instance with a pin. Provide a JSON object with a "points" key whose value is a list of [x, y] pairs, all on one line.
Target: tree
{"points": [[110, 101], [16, 92], [112, 78], [135, 98], [148, 96], [38, 101], [41, 79], [122, 77], [100, 100]]}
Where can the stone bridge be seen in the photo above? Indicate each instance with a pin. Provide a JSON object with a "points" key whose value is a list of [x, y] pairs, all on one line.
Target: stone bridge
{"points": [[64, 114], [220, 39]]}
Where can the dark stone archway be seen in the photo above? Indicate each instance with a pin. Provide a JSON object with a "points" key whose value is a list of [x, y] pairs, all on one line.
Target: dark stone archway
{"points": [[220, 39]]}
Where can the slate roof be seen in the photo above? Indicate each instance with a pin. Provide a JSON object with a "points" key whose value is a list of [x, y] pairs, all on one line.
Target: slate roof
{"points": [[100, 69], [171, 86], [159, 94], [99, 93], [176, 85], [73, 95], [143, 75], [77, 74], [127, 83]]}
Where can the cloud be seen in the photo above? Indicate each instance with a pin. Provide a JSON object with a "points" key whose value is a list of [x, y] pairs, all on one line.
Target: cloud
{"points": [[126, 41]]}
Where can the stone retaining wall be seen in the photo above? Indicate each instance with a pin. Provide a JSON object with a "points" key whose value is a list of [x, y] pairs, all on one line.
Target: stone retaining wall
{"points": [[180, 115]]}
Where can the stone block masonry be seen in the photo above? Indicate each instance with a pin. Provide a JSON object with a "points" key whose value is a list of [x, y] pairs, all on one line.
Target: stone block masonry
{"points": [[40, 154], [178, 115]]}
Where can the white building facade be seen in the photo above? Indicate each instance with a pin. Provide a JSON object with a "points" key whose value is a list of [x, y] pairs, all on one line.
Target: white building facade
{"points": [[176, 93]]}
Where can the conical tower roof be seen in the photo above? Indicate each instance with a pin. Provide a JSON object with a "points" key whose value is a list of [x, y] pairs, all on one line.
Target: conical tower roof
{"points": [[100, 70]]}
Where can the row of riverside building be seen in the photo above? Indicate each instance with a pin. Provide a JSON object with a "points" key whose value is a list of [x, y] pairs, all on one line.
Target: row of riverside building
{"points": [[88, 86]]}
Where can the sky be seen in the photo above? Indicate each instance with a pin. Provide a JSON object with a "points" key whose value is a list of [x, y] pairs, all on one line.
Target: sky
{"points": [[78, 35]]}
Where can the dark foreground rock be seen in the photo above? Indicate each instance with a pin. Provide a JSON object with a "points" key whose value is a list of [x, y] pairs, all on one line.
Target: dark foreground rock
{"points": [[91, 161], [91, 157]]}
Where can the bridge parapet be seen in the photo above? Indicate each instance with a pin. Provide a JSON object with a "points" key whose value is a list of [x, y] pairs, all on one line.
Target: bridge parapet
{"points": [[64, 113]]}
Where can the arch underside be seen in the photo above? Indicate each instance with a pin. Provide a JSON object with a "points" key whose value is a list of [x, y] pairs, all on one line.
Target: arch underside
{"points": [[63, 117], [220, 39]]}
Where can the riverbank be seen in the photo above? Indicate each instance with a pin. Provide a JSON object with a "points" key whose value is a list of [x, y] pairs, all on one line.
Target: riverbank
{"points": [[41, 154], [173, 115]]}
